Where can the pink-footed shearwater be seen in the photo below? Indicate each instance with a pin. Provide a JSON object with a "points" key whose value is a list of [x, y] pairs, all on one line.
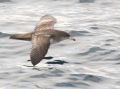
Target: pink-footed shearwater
{"points": [[43, 34]]}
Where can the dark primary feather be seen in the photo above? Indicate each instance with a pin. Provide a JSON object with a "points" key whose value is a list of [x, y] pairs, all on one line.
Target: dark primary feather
{"points": [[40, 45]]}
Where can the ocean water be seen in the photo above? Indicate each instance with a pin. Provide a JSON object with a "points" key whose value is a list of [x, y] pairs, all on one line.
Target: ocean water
{"points": [[90, 62]]}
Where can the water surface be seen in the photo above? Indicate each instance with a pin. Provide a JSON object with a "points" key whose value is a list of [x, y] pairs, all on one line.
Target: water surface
{"points": [[92, 62]]}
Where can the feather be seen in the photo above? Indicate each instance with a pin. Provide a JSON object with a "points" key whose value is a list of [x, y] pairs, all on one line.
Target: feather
{"points": [[40, 45]]}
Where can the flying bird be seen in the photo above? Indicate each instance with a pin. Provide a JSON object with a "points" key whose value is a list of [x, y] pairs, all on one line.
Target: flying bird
{"points": [[43, 35]]}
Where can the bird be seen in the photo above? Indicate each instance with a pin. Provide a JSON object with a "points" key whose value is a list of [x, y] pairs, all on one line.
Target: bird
{"points": [[43, 35]]}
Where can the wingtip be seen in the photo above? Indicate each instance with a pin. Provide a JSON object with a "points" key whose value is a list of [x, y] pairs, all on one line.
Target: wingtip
{"points": [[34, 63]]}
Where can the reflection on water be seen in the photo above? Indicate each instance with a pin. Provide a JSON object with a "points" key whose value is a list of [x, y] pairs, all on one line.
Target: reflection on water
{"points": [[89, 62]]}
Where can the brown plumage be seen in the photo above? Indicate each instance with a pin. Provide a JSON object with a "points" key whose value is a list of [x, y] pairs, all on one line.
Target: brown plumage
{"points": [[25, 36], [40, 45], [41, 38]]}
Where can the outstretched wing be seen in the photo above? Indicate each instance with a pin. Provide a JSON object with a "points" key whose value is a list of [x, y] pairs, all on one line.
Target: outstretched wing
{"points": [[46, 22], [25, 36], [40, 45]]}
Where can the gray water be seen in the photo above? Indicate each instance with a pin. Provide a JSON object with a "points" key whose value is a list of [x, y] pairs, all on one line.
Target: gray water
{"points": [[91, 62]]}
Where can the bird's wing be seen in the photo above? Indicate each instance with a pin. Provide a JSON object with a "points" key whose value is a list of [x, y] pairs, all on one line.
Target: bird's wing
{"points": [[40, 45], [25, 36], [45, 23]]}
